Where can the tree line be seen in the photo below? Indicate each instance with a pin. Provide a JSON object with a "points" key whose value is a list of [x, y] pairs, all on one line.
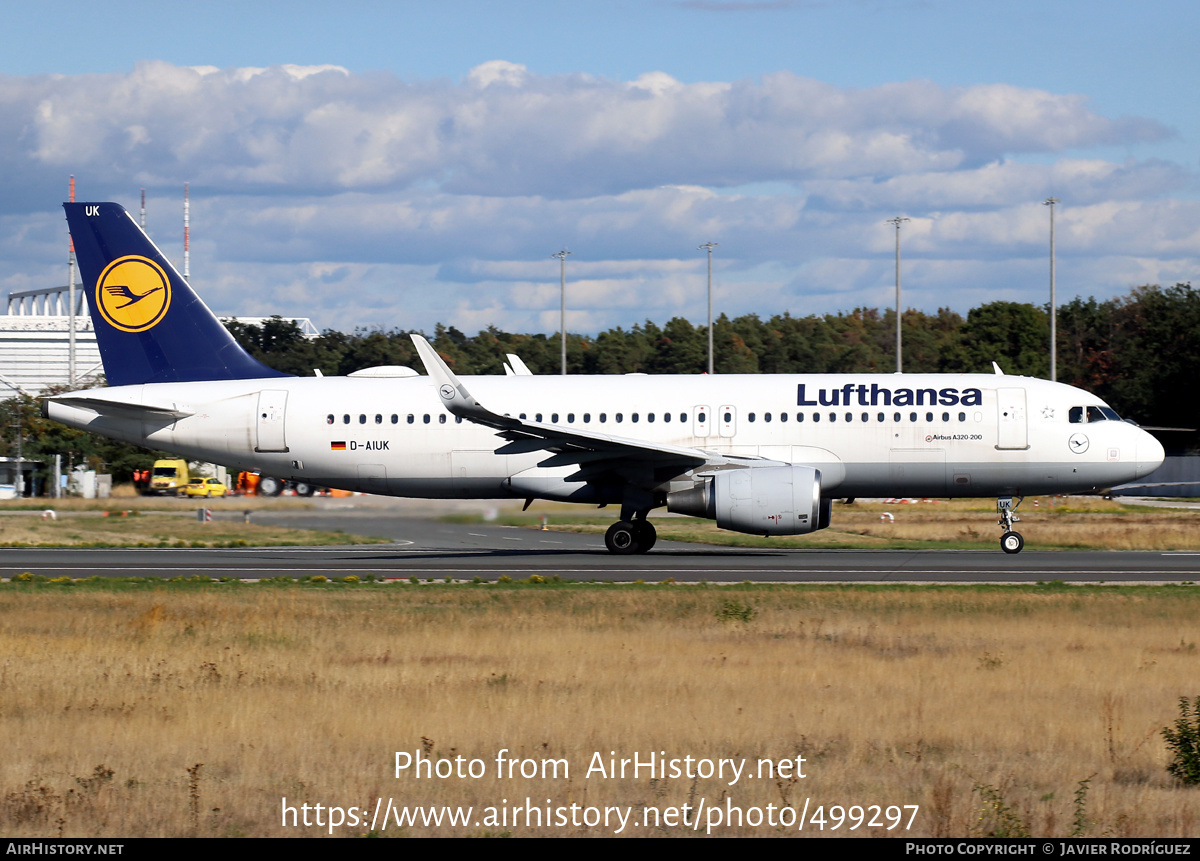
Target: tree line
{"points": [[1139, 352]]}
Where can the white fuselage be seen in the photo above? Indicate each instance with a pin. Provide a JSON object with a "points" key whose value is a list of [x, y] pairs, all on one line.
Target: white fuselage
{"points": [[869, 435]]}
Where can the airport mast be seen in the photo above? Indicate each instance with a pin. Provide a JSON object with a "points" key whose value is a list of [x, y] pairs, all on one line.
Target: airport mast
{"points": [[562, 278], [710, 246], [898, 220], [1050, 201], [187, 275]]}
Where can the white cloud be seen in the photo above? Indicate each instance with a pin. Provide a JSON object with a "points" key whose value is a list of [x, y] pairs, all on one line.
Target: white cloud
{"points": [[367, 200]]}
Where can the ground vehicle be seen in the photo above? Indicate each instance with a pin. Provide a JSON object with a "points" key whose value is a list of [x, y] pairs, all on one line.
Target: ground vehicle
{"points": [[168, 478], [206, 487]]}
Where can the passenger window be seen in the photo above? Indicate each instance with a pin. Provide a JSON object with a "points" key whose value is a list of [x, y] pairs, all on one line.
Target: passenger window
{"points": [[378, 419], [799, 417], [522, 416], [728, 417], [912, 417], [362, 418], [458, 420], [766, 417], [603, 418], [395, 419], [634, 417], [700, 418], [329, 419], [945, 417], [442, 419], [570, 418], [833, 417], [411, 418], [879, 417], [649, 417], [866, 417], [537, 417], [928, 417], [587, 418], [554, 418], [620, 418], [346, 419], [816, 417], [750, 417], [426, 418], [895, 417], [849, 417], [783, 417], [683, 418], [667, 417]]}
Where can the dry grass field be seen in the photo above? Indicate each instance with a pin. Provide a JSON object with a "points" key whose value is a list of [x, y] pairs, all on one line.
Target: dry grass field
{"points": [[177, 710], [132, 528]]}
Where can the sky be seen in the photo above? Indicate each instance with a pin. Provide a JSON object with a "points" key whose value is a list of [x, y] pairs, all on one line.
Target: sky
{"points": [[400, 164]]}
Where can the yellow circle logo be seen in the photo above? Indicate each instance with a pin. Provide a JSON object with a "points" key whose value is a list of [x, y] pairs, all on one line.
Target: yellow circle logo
{"points": [[133, 293]]}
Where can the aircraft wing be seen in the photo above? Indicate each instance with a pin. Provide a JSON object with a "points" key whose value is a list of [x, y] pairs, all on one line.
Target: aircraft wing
{"points": [[568, 445]]}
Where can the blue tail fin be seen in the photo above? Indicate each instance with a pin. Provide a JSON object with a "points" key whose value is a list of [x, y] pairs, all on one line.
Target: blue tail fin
{"points": [[150, 326]]}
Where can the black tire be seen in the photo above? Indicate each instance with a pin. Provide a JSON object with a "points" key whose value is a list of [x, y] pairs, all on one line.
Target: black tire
{"points": [[644, 534], [1011, 542], [268, 486], [621, 538], [303, 488]]}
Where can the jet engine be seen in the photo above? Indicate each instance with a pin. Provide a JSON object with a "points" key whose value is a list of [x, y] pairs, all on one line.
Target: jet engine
{"points": [[771, 500]]}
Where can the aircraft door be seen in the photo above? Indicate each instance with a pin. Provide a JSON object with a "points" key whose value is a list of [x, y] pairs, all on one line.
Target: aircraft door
{"points": [[727, 420], [270, 420], [1010, 413], [701, 421]]}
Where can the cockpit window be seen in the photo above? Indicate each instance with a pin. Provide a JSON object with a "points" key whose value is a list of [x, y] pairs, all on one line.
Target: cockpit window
{"points": [[1086, 415]]}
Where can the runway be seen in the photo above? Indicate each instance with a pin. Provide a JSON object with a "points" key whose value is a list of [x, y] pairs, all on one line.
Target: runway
{"points": [[431, 549]]}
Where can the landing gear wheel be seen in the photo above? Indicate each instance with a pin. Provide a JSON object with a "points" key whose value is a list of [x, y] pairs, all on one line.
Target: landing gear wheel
{"points": [[1011, 542], [303, 488], [644, 534], [621, 538], [268, 486]]}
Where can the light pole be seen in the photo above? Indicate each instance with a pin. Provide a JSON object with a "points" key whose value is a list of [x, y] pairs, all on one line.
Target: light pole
{"points": [[1050, 201], [898, 220], [709, 246], [562, 279]]}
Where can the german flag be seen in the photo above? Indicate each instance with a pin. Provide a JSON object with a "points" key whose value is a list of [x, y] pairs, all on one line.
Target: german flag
{"points": [[340, 445]]}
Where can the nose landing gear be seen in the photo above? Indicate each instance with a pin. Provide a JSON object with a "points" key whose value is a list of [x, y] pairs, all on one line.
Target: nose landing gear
{"points": [[1010, 541]]}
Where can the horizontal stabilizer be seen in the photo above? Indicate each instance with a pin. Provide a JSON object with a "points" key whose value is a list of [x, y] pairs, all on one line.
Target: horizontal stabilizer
{"points": [[120, 409]]}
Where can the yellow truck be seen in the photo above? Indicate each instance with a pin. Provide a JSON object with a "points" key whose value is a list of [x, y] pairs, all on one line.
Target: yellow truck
{"points": [[169, 478]]}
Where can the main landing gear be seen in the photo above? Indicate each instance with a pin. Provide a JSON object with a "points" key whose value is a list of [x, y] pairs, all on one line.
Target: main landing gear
{"points": [[1010, 541], [630, 536]]}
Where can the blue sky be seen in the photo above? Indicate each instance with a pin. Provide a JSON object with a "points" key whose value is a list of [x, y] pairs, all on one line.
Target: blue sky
{"points": [[455, 146]]}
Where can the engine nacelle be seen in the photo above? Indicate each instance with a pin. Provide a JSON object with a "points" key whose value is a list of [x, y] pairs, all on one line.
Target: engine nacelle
{"points": [[773, 500]]}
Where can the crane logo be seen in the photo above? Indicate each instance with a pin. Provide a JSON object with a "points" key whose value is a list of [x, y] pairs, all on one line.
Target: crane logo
{"points": [[133, 293]]}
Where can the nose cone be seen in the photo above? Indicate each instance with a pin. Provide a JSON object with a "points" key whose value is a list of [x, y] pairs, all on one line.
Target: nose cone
{"points": [[1149, 454]]}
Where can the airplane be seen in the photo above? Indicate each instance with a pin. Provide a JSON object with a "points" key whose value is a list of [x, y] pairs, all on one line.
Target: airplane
{"points": [[759, 454]]}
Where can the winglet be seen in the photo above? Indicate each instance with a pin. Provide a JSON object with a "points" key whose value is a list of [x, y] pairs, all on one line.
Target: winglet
{"points": [[519, 368], [455, 397]]}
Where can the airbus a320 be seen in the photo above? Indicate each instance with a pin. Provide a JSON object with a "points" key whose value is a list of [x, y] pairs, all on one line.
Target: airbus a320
{"points": [[759, 454]]}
